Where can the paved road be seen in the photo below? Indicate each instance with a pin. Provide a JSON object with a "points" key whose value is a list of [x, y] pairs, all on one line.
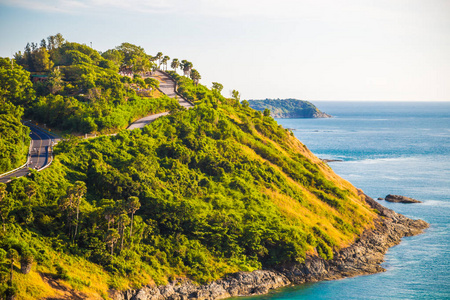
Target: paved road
{"points": [[168, 87], [144, 121], [39, 155], [42, 142]]}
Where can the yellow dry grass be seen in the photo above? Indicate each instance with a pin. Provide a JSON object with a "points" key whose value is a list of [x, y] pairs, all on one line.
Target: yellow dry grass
{"points": [[31, 286], [298, 213]]}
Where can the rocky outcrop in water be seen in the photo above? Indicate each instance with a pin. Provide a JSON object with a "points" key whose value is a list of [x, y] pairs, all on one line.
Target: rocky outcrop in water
{"points": [[362, 257], [400, 199]]}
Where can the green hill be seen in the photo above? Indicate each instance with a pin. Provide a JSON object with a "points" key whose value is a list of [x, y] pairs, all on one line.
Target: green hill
{"points": [[288, 108], [200, 193]]}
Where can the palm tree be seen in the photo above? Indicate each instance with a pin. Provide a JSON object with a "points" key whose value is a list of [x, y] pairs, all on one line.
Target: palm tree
{"points": [[186, 67], [109, 213], [133, 206], [79, 189], [4, 204], [72, 202], [175, 64], [159, 56], [111, 238], [195, 76], [165, 59], [124, 220], [12, 255]]}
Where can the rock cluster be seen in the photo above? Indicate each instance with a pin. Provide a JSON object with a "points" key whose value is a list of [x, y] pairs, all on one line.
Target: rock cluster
{"points": [[238, 284], [400, 199], [362, 257]]}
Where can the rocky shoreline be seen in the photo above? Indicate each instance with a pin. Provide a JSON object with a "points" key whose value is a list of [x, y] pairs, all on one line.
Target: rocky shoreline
{"points": [[362, 257]]}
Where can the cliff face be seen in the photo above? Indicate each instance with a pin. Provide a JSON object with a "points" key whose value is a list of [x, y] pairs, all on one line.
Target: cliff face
{"points": [[362, 257]]}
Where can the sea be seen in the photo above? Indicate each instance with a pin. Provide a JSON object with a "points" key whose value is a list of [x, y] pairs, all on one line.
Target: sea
{"points": [[385, 148]]}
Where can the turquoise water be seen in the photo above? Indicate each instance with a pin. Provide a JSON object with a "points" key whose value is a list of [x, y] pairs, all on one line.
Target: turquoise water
{"points": [[389, 148]]}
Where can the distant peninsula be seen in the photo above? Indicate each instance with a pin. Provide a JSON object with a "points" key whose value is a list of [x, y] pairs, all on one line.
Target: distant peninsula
{"points": [[288, 108]]}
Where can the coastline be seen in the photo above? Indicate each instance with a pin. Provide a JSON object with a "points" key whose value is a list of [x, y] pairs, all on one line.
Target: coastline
{"points": [[361, 258]]}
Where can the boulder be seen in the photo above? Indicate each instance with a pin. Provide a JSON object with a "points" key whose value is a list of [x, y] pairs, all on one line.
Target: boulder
{"points": [[401, 199]]}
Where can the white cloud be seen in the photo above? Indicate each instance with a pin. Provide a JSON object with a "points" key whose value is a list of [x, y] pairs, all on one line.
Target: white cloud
{"points": [[230, 8], [61, 6], [279, 9]]}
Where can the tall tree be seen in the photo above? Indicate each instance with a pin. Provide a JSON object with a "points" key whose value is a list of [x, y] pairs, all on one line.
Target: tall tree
{"points": [[12, 256], [186, 67], [133, 205], [79, 190], [236, 95], [217, 86], [175, 64], [15, 84], [31, 190], [195, 76], [55, 81], [51, 42], [41, 60], [59, 40], [109, 214], [111, 238], [164, 61], [115, 56], [5, 205], [124, 220], [43, 43], [71, 204], [159, 57], [133, 55]]}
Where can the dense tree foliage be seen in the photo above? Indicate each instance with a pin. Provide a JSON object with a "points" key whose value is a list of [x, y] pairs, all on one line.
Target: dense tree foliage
{"points": [[15, 87], [14, 137], [15, 84]]}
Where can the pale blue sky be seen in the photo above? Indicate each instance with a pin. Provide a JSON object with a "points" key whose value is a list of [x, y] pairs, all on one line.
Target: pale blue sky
{"points": [[305, 49]]}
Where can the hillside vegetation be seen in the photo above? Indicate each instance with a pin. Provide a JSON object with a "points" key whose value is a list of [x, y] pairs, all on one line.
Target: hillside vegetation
{"points": [[15, 86], [200, 193], [80, 90], [288, 108]]}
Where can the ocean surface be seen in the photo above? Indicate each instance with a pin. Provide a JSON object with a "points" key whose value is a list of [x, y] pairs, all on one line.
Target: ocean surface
{"points": [[388, 148]]}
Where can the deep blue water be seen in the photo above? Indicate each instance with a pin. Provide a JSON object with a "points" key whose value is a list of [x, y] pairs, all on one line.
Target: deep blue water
{"points": [[389, 148]]}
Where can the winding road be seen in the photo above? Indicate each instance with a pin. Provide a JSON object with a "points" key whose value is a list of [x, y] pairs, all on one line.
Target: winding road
{"points": [[39, 154], [168, 86]]}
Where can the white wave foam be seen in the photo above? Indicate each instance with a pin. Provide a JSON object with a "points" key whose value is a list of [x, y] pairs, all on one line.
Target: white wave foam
{"points": [[383, 160], [436, 203]]}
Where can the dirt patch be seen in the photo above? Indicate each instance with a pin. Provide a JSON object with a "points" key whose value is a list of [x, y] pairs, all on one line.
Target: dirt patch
{"points": [[62, 290]]}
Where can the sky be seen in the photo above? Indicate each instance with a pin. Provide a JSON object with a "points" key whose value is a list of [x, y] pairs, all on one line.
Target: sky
{"points": [[392, 50]]}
